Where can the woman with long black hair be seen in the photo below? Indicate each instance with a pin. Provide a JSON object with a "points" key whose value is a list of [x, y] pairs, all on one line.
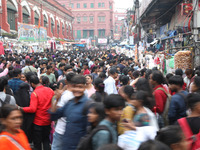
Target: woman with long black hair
{"points": [[22, 98], [99, 95]]}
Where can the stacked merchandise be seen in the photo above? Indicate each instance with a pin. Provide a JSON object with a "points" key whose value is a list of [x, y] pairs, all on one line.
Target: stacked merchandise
{"points": [[183, 60]]}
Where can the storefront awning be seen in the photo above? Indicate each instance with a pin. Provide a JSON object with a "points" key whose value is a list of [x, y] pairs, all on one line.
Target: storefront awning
{"points": [[159, 11]]}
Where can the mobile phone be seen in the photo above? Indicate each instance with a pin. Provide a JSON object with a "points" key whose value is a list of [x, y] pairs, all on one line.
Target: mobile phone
{"points": [[124, 120]]}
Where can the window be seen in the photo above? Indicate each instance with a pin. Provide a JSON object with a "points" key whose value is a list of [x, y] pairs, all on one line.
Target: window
{"points": [[58, 29], [25, 18], [101, 32], [91, 5], [45, 21], [78, 34], [84, 18], [72, 5], [67, 30], [85, 33], [103, 5], [25, 15], [84, 5], [91, 19], [63, 30], [99, 5], [11, 19], [78, 5], [101, 18], [52, 26], [116, 28], [78, 19], [91, 33]]}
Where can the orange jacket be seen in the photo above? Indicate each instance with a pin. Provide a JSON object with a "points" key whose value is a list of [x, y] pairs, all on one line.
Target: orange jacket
{"points": [[20, 139]]}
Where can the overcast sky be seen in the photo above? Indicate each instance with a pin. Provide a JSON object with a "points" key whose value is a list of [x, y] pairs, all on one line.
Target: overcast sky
{"points": [[122, 5]]}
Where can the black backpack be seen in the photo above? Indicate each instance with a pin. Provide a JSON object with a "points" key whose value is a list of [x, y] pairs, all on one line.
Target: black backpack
{"points": [[7, 100], [86, 141]]}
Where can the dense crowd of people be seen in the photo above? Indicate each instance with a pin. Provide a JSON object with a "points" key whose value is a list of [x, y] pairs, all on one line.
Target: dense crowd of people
{"points": [[96, 100]]}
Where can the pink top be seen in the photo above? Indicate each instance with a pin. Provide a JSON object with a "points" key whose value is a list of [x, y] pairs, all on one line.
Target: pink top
{"points": [[91, 91], [4, 73], [2, 65]]}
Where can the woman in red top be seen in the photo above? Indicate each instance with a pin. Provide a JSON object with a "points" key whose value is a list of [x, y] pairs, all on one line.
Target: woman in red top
{"points": [[11, 136]]}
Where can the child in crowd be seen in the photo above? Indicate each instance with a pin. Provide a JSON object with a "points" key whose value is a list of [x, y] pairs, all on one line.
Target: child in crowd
{"points": [[114, 105]]}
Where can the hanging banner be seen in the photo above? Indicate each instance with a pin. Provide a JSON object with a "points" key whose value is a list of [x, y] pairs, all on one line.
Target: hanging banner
{"points": [[31, 33], [41, 34]]}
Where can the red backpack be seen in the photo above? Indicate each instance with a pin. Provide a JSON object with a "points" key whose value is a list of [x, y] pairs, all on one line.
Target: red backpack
{"points": [[194, 139]]}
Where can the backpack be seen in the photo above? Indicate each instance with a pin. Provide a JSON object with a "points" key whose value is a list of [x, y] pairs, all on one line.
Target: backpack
{"points": [[7, 100], [166, 109], [86, 141], [194, 140]]}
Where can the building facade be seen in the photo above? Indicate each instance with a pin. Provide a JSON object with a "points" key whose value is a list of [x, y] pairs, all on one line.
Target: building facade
{"points": [[49, 13], [169, 26], [92, 18], [119, 29]]}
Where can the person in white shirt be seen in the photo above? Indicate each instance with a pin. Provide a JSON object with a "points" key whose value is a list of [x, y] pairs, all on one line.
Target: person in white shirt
{"points": [[61, 124], [91, 62], [110, 87]]}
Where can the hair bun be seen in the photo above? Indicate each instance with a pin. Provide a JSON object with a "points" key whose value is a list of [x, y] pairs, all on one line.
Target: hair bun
{"points": [[102, 85]]}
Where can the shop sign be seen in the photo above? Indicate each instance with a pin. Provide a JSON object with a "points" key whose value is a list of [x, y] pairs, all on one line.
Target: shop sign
{"points": [[102, 41], [117, 37], [83, 40], [131, 39], [31, 33]]}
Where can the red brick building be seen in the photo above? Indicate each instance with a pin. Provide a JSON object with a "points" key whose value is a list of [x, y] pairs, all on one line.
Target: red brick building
{"points": [[92, 18], [119, 29], [56, 18]]}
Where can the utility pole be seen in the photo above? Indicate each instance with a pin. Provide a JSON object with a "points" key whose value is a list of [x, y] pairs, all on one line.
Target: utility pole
{"points": [[137, 5], [195, 19], [196, 27]]}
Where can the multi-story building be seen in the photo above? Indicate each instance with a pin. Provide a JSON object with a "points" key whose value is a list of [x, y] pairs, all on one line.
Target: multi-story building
{"points": [[119, 30], [56, 18], [93, 18]]}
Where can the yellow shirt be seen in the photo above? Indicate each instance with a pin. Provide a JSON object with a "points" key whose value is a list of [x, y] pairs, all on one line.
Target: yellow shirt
{"points": [[128, 113]]}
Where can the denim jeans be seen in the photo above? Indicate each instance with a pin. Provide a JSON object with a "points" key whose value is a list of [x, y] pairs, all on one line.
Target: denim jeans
{"points": [[57, 141]]}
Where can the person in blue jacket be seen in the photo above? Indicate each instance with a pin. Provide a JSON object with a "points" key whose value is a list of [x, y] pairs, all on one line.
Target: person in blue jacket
{"points": [[177, 107], [74, 112]]}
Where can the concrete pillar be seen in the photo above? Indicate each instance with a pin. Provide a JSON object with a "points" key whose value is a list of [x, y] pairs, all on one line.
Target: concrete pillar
{"points": [[5, 25], [20, 15], [49, 27], [55, 27], [65, 35], [42, 19], [61, 33], [16, 21], [32, 17]]}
